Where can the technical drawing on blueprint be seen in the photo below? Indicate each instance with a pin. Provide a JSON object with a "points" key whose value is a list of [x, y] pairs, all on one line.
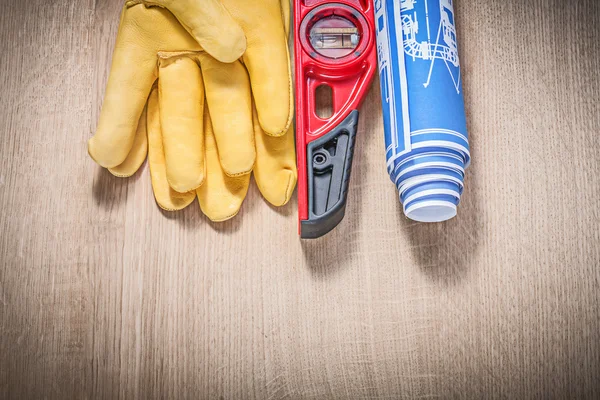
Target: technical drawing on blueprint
{"points": [[441, 47], [420, 76]]}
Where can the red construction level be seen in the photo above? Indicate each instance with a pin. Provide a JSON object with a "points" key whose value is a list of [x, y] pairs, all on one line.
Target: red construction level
{"points": [[334, 46]]}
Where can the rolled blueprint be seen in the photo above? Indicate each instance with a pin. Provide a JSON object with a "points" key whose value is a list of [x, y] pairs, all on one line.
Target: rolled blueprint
{"points": [[426, 139]]}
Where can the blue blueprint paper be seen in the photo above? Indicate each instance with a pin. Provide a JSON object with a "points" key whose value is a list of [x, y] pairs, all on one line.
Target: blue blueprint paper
{"points": [[426, 138]]}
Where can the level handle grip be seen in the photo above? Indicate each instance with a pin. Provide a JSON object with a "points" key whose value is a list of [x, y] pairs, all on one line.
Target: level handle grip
{"points": [[329, 165]]}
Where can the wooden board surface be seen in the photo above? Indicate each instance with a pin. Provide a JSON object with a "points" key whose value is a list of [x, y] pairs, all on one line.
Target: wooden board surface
{"points": [[104, 296]]}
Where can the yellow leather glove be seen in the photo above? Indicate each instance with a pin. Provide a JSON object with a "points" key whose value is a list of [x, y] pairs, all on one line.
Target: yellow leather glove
{"points": [[153, 44], [209, 23], [220, 196]]}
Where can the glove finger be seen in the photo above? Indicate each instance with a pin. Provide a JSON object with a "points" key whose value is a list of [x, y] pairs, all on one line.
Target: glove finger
{"points": [[131, 77], [286, 16], [167, 198], [211, 25], [275, 171], [138, 152], [229, 101], [181, 99], [221, 196], [268, 62]]}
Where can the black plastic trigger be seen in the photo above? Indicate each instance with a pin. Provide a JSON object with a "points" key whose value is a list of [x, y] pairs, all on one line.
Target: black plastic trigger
{"points": [[329, 164]]}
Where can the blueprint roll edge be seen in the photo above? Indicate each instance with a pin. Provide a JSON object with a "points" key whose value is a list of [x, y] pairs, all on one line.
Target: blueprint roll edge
{"points": [[427, 144]]}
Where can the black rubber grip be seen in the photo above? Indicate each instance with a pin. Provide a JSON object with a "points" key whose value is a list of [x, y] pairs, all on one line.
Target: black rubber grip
{"points": [[329, 164]]}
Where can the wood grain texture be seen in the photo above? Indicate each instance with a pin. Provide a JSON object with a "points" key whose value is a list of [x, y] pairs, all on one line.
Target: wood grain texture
{"points": [[104, 296]]}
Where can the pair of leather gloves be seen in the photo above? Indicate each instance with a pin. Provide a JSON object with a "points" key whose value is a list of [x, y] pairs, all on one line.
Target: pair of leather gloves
{"points": [[203, 89]]}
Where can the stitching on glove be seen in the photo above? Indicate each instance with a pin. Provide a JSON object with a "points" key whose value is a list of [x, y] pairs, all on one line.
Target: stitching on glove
{"points": [[290, 82], [172, 209], [227, 218], [131, 3], [118, 175], [288, 194], [291, 97], [290, 93], [241, 173], [165, 55], [192, 189]]}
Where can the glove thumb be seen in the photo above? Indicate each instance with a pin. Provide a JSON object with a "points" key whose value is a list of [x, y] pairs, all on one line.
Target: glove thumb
{"points": [[209, 23]]}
